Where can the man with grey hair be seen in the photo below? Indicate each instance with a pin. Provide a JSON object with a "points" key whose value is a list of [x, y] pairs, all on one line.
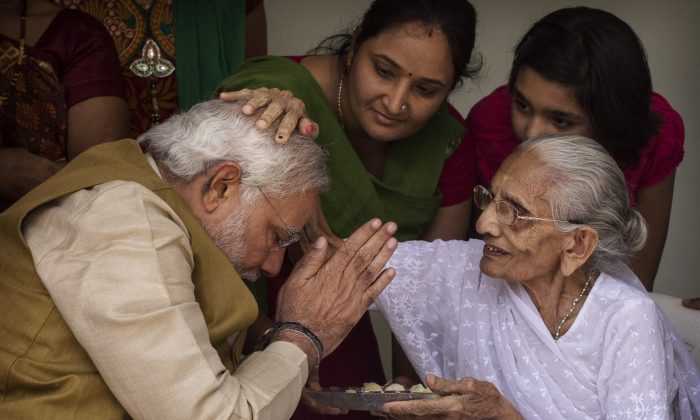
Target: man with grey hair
{"points": [[120, 292]]}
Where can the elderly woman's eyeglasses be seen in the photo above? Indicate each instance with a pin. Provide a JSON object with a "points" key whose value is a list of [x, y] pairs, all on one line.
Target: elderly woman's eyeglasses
{"points": [[506, 212], [293, 235]]}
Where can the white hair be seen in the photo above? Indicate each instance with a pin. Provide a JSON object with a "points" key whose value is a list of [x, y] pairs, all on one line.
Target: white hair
{"points": [[188, 144], [228, 235], [586, 185]]}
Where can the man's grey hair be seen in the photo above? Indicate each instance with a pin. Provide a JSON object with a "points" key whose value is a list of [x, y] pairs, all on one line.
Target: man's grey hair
{"points": [[188, 144], [586, 185]]}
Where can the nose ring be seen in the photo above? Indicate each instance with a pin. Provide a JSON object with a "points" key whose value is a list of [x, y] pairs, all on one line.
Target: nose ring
{"points": [[404, 107]]}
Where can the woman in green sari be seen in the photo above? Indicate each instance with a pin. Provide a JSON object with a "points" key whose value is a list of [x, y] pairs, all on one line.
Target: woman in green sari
{"points": [[395, 146]]}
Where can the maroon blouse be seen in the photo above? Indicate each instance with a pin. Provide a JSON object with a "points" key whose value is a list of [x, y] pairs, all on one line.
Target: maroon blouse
{"points": [[74, 60]]}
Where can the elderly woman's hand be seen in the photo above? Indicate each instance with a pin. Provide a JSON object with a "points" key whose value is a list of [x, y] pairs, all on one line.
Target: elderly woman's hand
{"points": [[277, 103], [467, 398]]}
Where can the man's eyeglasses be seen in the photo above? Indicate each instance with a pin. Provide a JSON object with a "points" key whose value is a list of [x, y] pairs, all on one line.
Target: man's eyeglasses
{"points": [[506, 212], [293, 235]]}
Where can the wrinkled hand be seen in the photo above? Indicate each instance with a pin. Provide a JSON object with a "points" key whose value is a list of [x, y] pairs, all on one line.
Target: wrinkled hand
{"points": [[691, 303], [22, 170], [275, 103], [331, 296], [467, 398]]}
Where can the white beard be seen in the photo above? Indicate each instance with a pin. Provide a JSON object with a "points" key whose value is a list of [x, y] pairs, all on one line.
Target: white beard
{"points": [[228, 237]]}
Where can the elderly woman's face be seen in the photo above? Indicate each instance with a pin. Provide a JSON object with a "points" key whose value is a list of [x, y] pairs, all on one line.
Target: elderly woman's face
{"points": [[529, 249]]}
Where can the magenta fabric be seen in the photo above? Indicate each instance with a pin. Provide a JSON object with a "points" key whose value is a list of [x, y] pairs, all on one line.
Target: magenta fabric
{"points": [[489, 125], [459, 173]]}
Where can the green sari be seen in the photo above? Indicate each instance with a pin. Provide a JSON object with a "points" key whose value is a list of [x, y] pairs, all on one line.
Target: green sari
{"points": [[408, 192], [210, 44]]}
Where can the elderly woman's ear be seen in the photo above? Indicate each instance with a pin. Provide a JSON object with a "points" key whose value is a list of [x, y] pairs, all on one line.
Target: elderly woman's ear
{"points": [[582, 242]]}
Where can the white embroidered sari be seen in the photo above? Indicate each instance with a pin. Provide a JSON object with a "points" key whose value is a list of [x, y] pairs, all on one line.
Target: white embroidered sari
{"points": [[619, 359]]}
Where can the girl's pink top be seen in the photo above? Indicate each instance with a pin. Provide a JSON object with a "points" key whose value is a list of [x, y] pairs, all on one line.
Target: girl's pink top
{"points": [[490, 129]]}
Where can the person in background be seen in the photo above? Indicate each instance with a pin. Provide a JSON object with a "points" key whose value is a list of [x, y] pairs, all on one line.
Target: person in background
{"points": [[693, 303], [542, 319], [395, 146], [120, 278], [60, 92], [165, 74], [584, 71]]}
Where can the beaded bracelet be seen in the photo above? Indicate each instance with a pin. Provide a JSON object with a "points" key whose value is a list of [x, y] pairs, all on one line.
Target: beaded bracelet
{"points": [[269, 334]]}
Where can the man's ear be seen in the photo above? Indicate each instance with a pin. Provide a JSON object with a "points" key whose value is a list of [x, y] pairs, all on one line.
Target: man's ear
{"points": [[223, 185], [582, 242]]}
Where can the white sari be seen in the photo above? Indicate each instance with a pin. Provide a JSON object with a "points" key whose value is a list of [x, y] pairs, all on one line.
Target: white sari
{"points": [[619, 359]]}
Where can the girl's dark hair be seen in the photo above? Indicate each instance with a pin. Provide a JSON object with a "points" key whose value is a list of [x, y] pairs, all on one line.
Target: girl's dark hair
{"points": [[455, 18], [603, 59]]}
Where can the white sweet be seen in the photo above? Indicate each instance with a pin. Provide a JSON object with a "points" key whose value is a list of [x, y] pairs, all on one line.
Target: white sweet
{"points": [[371, 387], [394, 388], [421, 388]]}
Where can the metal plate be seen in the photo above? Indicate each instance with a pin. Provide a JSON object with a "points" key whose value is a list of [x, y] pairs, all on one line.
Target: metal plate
{"points": [[363, 401]]}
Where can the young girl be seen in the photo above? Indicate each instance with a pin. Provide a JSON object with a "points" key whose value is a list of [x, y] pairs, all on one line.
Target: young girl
{"points": [[584, 71]]}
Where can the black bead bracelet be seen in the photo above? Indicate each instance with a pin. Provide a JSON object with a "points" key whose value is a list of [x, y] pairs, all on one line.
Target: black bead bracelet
{"points": [[267, 337]]}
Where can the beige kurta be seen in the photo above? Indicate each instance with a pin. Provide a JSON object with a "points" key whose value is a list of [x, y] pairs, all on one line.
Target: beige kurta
{"points": [[134, 298]]}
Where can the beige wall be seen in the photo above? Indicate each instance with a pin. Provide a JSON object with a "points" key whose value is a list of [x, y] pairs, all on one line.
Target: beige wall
{"points": [[669, 30]]}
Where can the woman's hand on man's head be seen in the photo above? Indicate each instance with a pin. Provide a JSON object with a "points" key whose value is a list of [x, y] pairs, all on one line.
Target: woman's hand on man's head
{"points": [[275, 104]]}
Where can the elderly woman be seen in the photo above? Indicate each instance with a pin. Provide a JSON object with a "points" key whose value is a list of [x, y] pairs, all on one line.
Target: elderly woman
{"points": [[542, 319]]}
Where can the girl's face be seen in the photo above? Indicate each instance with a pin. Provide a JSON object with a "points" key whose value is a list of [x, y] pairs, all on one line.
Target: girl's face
{"points": [[398, 80], [544, 107]]}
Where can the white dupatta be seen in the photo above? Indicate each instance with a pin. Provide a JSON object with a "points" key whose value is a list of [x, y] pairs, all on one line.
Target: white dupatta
{"points": [[619, 359]]}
